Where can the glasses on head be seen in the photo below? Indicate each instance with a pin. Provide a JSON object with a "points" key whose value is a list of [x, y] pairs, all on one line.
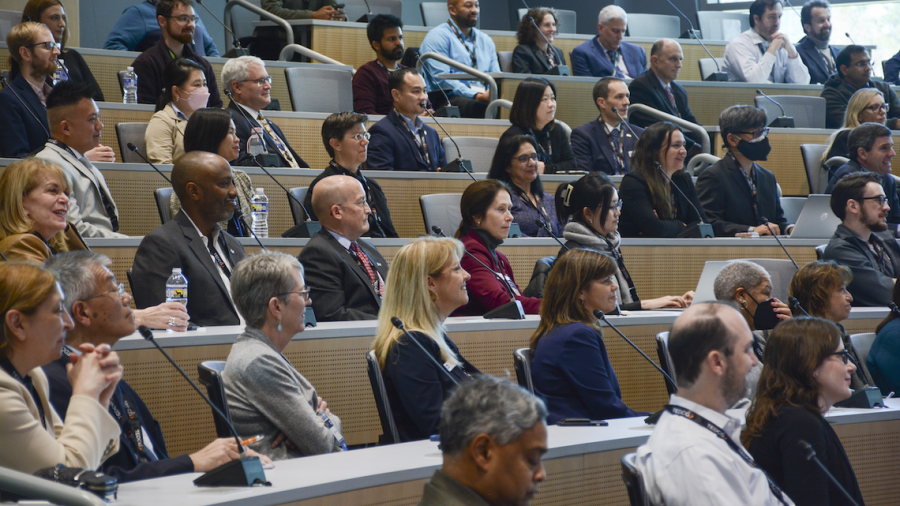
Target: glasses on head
{"points": [[844, 355], [361, 136], [185, 19], [525, 158], [304, 294], [49, 46], [120, 289], [863, 64], [260, 82], [880, 199], [875, 108], [757, 134]]}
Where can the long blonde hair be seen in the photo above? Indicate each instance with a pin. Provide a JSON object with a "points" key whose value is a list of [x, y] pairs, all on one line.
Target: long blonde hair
{"points": [[857, 103], [407, 297], [19, 179]]}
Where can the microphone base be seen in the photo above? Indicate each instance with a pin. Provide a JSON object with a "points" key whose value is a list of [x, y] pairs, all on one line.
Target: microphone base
{"points": [[782, 122], [698, 231], [243, 472], [309, 317], [510, 311], [304, 230], [366, 18], [515, 231], [717, 77], [458, 165], [448, 111], [268, 160], [865, 398], [559, 70]]}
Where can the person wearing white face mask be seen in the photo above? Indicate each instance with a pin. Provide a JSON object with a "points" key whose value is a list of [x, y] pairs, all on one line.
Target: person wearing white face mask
{"points": [[184, 91]]}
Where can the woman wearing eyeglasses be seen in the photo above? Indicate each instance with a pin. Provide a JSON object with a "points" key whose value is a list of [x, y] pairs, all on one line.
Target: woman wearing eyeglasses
{"points": [[738, 195], [516, 164], [856, 73], [865, 106], [806, 371]]}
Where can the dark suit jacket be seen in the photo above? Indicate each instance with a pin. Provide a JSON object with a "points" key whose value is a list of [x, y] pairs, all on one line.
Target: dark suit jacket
{"points": [[812, 58], [887, 182], [393, 148], [177, 244], [243, 128], [22, 133], [382, 226], [727, 200], [872, 285], [529, 59], [149, 68], [646, 89], [80, 72], [340, 289], [638, 218], [590, 59], [592, 150], [124, 465]]}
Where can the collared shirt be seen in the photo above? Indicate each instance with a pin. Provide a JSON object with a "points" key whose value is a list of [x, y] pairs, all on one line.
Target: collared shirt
{"points": [[41, 92], [223, 254], [253, 113], [442, 40], [416, 124], [746, 60], [178, 112], [346, 244], [684, 463]]}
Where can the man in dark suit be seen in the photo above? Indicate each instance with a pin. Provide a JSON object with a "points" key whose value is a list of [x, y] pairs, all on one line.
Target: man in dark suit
{"points": [[737, 194], [817, 55], [606, 54], [248, 84], [854, 72], [193, 241], [605, 145], [344, 273], [99, 308], [401, 140]]}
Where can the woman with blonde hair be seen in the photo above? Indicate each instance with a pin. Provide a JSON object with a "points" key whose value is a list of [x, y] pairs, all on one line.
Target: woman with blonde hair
{"points": [[865, 106], [425, 284]]}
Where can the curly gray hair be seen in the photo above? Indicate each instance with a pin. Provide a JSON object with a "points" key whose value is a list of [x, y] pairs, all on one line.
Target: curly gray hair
{"points": [[738, 274]]}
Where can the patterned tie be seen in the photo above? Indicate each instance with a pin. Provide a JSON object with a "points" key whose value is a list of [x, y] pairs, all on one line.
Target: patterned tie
{"points": [[367, 265], [614, 135], [278, 142], [671, 99], [615, 62]]}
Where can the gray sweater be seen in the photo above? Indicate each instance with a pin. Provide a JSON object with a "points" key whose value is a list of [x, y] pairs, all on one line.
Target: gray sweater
{"points": [[267, 396]]}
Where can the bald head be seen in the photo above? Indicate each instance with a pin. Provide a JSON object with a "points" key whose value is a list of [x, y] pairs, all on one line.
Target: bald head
{"points": [[701, 329], [665, 59], [340, 204], [204, 185]]}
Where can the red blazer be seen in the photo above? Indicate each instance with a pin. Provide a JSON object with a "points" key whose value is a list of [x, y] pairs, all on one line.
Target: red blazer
{"points": [[485, 290]]}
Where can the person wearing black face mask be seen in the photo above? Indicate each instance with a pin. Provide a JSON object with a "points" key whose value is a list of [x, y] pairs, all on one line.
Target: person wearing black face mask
{"points": [[737, 194], [749, 286]]}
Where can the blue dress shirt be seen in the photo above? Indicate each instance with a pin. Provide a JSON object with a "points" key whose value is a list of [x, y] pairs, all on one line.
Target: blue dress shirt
{"points": [[442, 40]]}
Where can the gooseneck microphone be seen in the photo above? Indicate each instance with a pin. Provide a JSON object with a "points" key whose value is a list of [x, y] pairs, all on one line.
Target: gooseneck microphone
{"points": [[616, 110], [599, 314], [705, 229], [784, 121], [450, 111], [810, 454], [460, 164], [894, 308], [718, 75], [398, 323], [242, 472], [559, 69], [137, 151], [234, 40], [793, 303], [766, 223], [851, 38], [7, 84], [546, 226], [793, 8]]}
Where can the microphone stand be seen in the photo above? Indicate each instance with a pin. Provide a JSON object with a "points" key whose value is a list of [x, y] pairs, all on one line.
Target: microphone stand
{"points": [[398, 323], [558, 70], [234, 40], [449, 111], [784, 121], [795, 304], [810, 454], [368, 16], [705, 229], [718, 75], [460, 164], [599, 314], [766, 223], [546, 226]]}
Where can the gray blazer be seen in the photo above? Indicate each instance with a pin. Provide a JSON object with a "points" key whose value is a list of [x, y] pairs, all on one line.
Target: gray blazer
{"points": [[267, 396]]}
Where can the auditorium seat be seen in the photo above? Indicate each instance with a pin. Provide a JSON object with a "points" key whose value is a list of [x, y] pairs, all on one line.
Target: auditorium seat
{"points": [[442, 210], [792, 207], [388, 427], [634, 481], [133, 133], [862, 344], [297, 211], [708, 66], [522, 364], [210, 375], [568, 20], [504, 58], [808, 112], [163, 196], [665, 361], [334, 86], [654, 25], [718, 25], [478, 150]]}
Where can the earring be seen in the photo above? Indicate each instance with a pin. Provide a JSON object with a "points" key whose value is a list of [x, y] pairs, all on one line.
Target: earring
{"points": [[591, 221], [744, 304], [434, 297], [279, 325]]}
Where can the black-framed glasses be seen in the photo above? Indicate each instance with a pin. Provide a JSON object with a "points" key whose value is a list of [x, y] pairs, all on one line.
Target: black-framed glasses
{"points": [[304, 294], [260, 82], [185, 19], [757, 134], [844, 355], [875, 108], [525, 158], [880, 199], [120, 289], [49, 46]]}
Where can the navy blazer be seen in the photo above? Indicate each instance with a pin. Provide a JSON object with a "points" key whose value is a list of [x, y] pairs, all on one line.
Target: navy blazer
{"points": [[593, 152], [590, 59], [812, 58], [23, 133], [392, 147], [243, 128], [646, 89]]}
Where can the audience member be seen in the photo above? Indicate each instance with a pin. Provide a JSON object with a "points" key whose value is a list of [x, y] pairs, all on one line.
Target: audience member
{"points": [[862, 241], [854, 72], [606, 145], [536, 53], [177, 20], [371, 87], [515, 164], [606, 55], [738, 195], [425, 285], [75, 129], [493, 436], [184, 91], [459, 40], [23, 100], [652, 207], [865, 106], [694, 455], [266, 395], [594, 207], [816, 54], [193, 241], [883, 360], [485, 208], [346, 274], [52, 14], [807, 371], [871, 150], [533, 114], [346, 140], [249, 84], [33, 333], [270, 40], [401, 140], [570, 368], [138, 30], [762, 53], [891, 69]]}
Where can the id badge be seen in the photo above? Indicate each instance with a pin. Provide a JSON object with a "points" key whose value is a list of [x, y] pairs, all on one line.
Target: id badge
{"points": [[512, 285]]}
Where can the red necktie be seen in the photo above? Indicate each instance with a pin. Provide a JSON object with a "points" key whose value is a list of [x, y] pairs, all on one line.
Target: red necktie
{"points": [[367, 265], [671, 98]]}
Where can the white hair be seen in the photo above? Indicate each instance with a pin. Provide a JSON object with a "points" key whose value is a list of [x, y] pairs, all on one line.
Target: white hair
{"points": [[236, 70], [611, 12]]}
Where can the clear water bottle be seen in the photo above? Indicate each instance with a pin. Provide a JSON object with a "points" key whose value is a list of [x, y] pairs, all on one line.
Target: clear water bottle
{"points": [[255, 144], [259, 208], [177, 287], [61, 74], [130, 83]]}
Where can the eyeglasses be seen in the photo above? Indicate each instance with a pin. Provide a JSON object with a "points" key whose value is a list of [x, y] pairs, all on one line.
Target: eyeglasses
{"points": [[617, 205], [361, 136], [260, 82], [304, 294], [525, 158], [864, 64], [120, 289], [757, 134], [609, 281], [880, 199], [843, 354], [876, 108], [185, 19], [49, 46]]}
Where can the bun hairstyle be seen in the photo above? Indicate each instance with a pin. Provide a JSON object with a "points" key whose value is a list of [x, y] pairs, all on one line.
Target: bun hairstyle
{"points": [[591, 191]]}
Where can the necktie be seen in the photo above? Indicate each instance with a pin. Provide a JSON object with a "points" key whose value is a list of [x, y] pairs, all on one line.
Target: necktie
{"points": [[278, 142], [615, 63], [671, 99], [215, 253], [367, 265], [614, 135]]}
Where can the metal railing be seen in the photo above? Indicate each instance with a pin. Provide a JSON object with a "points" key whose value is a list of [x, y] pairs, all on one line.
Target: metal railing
{"points": [[477, 74], [289, 32], [495, 105], [700, 160], [290, 49], [701, 132], [38, 488]]}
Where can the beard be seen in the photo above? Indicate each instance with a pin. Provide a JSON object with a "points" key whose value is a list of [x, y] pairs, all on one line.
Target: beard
{"points": [[822, 35], [873, 222], [43, 68], [183, 37], [396, 54], [465, 22], [734, 387]]}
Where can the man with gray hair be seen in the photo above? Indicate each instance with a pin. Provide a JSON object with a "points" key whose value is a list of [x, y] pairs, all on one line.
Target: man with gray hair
{"points": [[247, 83], [606, 54], [493, 436]]}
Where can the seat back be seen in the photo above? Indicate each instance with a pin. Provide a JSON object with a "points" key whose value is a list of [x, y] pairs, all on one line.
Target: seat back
{"points": [[120, 75], [8, 19], [479, 150], [665, 361], [441, 209], [716, 25], [242, 21], [654, 25], [355, 9], [296, 210], [388, 427], [820, 252], [780, 272], [130, 281], [568, 20], [335, 87], [435, 13], [862, 344], [792, 207], [133, 133], [634, 482], [816, 176], [210, 375], [542, 268], [708, 66], [163, 196], [504, 58], [522, 364], [808, 112]]}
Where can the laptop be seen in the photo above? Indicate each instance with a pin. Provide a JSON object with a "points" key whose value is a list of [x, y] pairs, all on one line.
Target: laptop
{"points": [[704, 291], [816, 220]]}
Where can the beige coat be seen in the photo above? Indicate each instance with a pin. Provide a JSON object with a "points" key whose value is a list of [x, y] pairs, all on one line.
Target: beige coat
{"points": [[165, 136]]}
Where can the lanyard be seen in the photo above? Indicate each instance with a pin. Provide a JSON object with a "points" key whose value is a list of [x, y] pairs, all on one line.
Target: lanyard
{"points": [[539, 208], [463, 42], [620, 261], [215, 253], [618, 146], [421, 143], [8, 367], [752, 186], [547, 152]]}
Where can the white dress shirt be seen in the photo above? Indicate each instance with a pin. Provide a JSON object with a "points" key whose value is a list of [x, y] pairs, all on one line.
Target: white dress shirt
{"points": [[747, 61]]}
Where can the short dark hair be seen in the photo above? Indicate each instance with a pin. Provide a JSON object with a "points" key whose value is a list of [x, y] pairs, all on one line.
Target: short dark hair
{"points": [[592, 191], [503, 156], [338, 124], [396, 78], [846, 55], [691, 343], [759, 7], [164, 8], [601, 89], [475, 201], [68, 93], [206, 129], [176, 73], [527, 33], [851, 187], [380, 23], [806, 11], [864, 136], [739, 118], [527, 100]]}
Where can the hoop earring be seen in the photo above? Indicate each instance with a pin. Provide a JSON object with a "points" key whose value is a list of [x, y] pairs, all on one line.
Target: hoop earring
{"points": [[434, 297], [744, 304]]}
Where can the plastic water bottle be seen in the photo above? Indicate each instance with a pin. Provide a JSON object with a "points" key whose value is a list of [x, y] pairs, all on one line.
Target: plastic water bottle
{"points": [[177, 287], [255, 144], [130, 82], [60, 74], [259, 208]]}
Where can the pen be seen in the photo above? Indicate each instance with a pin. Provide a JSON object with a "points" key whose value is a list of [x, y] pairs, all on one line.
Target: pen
{"points": [[252, 440]]}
